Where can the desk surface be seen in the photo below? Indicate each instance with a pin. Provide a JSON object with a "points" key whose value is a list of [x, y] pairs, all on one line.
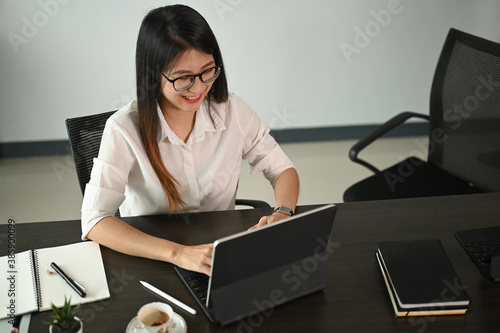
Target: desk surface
{"points": [[355, 299]]}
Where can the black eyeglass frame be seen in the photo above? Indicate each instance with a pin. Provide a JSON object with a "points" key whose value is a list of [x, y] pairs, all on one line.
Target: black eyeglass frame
{"points": [[193, 77]]}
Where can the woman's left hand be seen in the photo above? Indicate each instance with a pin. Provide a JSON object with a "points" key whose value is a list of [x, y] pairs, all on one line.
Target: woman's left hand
{"points": [[265, 220]]}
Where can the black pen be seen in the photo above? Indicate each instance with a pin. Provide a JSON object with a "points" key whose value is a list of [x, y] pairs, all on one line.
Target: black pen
{"points": [[17, 323], [78, 288]]}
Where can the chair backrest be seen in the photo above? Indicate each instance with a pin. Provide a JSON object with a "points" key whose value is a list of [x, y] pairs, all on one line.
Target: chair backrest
{"points": [[85, 134], [465, 110]]}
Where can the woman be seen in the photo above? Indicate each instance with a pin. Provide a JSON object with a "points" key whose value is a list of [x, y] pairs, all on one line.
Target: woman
{"points": [[179, 146]]}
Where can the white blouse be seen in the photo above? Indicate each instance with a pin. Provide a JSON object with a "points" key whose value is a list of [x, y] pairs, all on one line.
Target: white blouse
{"points": [[207, 166]]}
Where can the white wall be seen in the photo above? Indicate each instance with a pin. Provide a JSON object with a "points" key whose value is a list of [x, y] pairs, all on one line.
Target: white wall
{"points": [[65, 58]]}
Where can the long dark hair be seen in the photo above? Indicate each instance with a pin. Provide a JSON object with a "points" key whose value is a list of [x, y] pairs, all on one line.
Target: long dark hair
{"points": [[165, 34]]}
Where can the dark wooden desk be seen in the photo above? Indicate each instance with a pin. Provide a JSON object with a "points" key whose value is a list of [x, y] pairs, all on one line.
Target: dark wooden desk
{"points": [[355, 299]]}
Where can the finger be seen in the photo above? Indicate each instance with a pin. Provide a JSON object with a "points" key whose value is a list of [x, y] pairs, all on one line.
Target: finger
{"points": [[207, 259], [204, 265], [265, 220], [262, 221], [205, 270]]}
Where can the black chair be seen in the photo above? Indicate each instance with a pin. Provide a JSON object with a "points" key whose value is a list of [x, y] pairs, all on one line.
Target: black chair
{"points": [[464, 130], [85, 135]]}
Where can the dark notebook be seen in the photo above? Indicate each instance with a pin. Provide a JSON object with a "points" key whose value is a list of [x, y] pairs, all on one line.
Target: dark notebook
{"points": [[421, 279]]}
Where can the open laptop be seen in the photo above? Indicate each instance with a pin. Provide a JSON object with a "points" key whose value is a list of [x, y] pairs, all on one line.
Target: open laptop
{"points": [[257, 270]]}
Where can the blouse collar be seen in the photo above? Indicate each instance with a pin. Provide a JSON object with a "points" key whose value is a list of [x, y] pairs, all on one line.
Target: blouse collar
{"points": [[206, 121]]}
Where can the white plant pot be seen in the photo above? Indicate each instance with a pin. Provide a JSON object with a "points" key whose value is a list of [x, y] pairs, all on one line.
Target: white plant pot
{"points": [[79, 331]]}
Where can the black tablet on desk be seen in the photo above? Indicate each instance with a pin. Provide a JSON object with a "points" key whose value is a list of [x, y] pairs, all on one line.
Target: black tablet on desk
{"points": [[257, 270]]}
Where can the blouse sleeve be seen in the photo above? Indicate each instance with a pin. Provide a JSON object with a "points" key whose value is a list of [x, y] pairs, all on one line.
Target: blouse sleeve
{"points": [[259, 147], [105, 191]]}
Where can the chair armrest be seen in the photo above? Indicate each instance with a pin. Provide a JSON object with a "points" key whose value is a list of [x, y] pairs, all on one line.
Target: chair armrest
{"points": [[252, 203], [377, 133]]}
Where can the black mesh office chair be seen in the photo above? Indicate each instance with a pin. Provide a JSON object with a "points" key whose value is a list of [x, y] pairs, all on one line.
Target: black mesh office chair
{"points": [[464, 130], [85, 135]]}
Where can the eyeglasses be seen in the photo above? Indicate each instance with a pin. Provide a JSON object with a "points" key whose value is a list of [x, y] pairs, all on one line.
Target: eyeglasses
{"points": [[185, 82]]}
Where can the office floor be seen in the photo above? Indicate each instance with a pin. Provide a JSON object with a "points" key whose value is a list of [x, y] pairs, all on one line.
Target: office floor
{"points": [[46, 188]]}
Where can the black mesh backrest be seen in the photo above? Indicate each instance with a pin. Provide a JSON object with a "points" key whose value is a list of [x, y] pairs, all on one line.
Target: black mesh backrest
{"points": [[85, 135], [465, 110]]}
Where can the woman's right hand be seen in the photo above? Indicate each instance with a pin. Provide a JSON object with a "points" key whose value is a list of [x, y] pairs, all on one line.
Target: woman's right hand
{"points": [[194, 258]]}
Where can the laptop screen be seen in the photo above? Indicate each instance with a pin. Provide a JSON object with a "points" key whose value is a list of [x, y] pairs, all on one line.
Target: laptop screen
{"points": [[254, 271], [272, 250]]}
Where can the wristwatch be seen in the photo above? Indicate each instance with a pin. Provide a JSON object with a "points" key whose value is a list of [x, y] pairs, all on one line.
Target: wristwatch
{"points": [[284, 210]]}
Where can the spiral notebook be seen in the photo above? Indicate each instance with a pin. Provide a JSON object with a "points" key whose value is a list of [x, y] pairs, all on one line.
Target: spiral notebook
{"points": [[29, 284]]}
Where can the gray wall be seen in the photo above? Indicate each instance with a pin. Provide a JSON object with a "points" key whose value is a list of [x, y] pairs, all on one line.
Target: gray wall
{"points": [[300, 64]]}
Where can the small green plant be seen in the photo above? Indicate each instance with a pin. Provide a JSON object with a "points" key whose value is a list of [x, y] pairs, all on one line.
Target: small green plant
{"points": [[64, 318]]}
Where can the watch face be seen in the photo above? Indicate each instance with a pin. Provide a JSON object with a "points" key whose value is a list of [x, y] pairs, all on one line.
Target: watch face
{"points": [[285, 210]]}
